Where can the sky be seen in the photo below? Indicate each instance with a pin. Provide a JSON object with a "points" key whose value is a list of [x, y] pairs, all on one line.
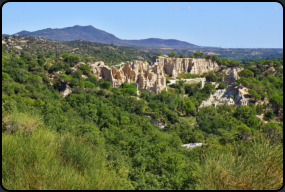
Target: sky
{"points": [[217, 24]]}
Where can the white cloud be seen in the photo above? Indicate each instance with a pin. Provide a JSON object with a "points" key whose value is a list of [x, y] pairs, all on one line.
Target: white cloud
{"points": [[189, 7], [275, 8], [174, 8]]}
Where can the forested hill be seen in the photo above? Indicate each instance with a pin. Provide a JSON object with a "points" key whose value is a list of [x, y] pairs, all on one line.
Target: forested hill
{"points": [[97, 136], [90, 33], [111, 54]]}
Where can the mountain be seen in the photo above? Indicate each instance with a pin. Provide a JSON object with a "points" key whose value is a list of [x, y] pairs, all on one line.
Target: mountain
{"points": [[155, 42], [90, 33]]}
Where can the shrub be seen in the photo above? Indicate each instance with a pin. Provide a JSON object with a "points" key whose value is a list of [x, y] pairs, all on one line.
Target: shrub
{"points": [[231, 171], [88, 84], [34, 79], [106, 85], [5, 76]]}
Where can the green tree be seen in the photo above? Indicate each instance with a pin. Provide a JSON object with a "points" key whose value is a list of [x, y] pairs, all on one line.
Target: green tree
{"points": [[88, 84], [182, 55], [159, 54], [244, 131], [34, 79], [259, 109], [222, 85], [189, 107], [272, 130], [171, 54], [5, 76], [196, 54], [106, 85], [208, 88], [277, 102], [211, 77], [85, 69], [246, 73], [77, 74]]}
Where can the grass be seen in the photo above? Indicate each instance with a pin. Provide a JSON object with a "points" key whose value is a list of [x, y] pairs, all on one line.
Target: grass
{"points": [[260, 168], [189, 119], [42, 159], [190, 83]]}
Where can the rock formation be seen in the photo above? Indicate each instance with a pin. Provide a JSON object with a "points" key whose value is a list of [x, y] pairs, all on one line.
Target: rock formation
{"points": [[231, 78], [221, 96], [173, 66], [151, 76]]}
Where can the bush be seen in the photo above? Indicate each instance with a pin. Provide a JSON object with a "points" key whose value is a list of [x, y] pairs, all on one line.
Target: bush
{"points": [[34, 79], [269, 114], [77, 74], [222, 85], [232, 171], [88, 84], [85, 68], [128, 89], [211, 77], [106, 85], [5, 76]]}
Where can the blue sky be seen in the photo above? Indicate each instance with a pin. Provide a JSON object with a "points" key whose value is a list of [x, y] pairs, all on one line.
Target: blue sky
{"points": [[233, 25]]}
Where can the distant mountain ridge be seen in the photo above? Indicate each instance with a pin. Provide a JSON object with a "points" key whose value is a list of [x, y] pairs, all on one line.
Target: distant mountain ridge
{"points": [[90, 33]]}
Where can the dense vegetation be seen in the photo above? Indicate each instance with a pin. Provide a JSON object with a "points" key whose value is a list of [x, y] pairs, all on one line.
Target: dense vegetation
{"points": [[88, 51], [98, 138], [239, 55]]}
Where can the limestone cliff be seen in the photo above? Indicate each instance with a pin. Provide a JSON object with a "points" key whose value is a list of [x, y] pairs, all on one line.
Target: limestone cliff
{"points": [[151, 76], [173, 66]]}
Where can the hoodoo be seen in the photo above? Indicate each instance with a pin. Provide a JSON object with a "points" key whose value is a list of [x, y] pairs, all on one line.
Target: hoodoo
{"points": [[151, 76]]}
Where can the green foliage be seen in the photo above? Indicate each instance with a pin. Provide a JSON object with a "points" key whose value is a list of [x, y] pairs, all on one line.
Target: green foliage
{"points": [[66, 142], [273, 131], [222, 85], [106, 85], [5, 76], [211, 77], [208, 88], [235, 167], [246, 73], [88, 84], [171, 54], [259, 109], [77, 74], [182, 55], [277, 102], [159, 54], [34, 79], [85, 69], [128, 89], [189, 107]]}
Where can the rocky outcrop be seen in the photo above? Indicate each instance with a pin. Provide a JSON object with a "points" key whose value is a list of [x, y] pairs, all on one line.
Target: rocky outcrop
{"points": [[231, 78], [228, 70], [151, 76], [173, 66], [66, 90], [222, 96]]}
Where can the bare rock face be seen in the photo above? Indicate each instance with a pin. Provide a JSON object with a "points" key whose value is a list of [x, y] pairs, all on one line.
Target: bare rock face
{"points": [[231, 77], [151, 77], [66, 90], [228, 70], [173, 66]]}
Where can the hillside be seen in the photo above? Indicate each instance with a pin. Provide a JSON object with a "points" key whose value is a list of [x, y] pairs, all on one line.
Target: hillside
{"points": [[90, 33], [101, 137], [155, 42], [108, 53]]}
